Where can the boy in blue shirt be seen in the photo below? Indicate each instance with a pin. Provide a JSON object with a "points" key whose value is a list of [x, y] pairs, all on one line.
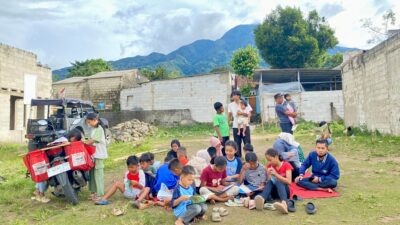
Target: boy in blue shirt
{"points": [[234, 164], [325, 169], [183, 207]]}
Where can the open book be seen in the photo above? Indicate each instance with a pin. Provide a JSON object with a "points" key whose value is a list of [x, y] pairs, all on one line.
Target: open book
{"points": [[222, 189], [246, 189], [197, 199]]}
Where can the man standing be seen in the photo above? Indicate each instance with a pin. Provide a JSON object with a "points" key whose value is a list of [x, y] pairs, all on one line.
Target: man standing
{"points": [[283, 114], [233, 109]]}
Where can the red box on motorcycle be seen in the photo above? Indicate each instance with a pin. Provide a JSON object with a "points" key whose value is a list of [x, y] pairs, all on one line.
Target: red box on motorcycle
{"points": [[91, 149], [37, 164], [78, 156]]}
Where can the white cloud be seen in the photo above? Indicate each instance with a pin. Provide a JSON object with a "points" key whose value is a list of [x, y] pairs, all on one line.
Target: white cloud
{"points": [[64, 31]]}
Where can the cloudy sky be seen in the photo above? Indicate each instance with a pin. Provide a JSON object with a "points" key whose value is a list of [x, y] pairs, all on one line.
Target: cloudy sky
{"points": [[60, 32]]}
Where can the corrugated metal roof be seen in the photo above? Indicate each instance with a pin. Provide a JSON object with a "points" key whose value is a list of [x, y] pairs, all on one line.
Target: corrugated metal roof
{"points": [[105, 74]]}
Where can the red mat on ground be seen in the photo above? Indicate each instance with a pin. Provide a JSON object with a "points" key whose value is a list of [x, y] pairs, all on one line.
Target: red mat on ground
{"points": [[301, 192]]}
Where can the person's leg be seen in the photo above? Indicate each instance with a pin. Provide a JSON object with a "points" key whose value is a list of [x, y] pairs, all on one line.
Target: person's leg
{"points": [[282, 190], [327, 185], [99, 177], [224, 140], [191, 212], [296, 170], [141, 196], [203, 211], [244, 130], [247, 139], [305, 183], [239, 127], [116, 186], [238, 139], [233, 191], [92, 181], [266, 192], [286, 127]]}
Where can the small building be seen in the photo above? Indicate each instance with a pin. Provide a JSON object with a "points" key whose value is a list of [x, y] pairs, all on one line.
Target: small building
{"points": [[317, 92], [371, 88], [21, 79], [196, 93], [103, 88]]}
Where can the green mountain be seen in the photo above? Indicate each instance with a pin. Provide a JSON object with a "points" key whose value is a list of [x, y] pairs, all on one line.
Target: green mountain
{"points": [[198, 57]]}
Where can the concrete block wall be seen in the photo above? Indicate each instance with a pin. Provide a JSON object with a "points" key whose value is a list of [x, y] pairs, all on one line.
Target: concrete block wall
{"points": [[371, 88], [14, 65], [312, 105], [197, 94]]}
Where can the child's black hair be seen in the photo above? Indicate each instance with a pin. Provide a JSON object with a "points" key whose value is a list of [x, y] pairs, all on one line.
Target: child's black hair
{"points": [[220, 161], [75, 133], [212, 152], [188, 170], [232, 144], [248, 147], [174, 164], [217, 106], [132, 160], [175, 141], [244, 102], [94, 116], [151, 155], [274, 153], [276, 96], [322, 141], [169, 158], [145, 158], [251, 157], [286, 95]]}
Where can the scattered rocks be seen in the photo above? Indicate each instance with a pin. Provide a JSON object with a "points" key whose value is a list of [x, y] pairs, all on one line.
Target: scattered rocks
{"points": [[132, 131]]}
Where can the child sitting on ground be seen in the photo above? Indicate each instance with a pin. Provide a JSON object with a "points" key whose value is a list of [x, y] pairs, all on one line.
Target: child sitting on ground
{"points": [[243, 121], [280, 177], [168, 175], [184, 209], [154, 164], [182, 156], [175, 145], [253, 174], [234, 164], [248, 148], [144, 162], [325, 169], [133, 187], [213, 181]]}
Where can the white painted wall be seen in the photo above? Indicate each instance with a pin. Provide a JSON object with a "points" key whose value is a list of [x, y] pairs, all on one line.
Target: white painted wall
{"points": [[312, 105], [197, 94]]}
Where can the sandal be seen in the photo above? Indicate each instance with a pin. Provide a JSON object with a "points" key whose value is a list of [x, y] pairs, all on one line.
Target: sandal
{"points": [[215, 216], [252, 204], [269, 206], [222, 211], [102, 202], [246, 202], [117, 212], [232, 203]]}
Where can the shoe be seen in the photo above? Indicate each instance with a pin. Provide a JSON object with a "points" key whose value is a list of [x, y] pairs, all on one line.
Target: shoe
{"points": [[269, 206], [102, 202], [44, 199], [290, 205], [246, 202], [281, 207], [310, 208], [259, 202], [297, 198]]}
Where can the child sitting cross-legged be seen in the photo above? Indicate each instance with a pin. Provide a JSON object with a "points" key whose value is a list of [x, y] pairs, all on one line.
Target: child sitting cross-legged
{"points": [[253, 174], [133, 187], [184, 209], [213, 182], [280, 177]]}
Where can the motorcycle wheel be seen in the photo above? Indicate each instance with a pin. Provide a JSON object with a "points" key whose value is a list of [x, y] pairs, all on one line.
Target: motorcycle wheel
{"points": [[69, 192]]}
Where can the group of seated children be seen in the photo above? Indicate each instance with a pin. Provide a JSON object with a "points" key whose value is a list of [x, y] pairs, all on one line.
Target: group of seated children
{"points": [[222, 179]]}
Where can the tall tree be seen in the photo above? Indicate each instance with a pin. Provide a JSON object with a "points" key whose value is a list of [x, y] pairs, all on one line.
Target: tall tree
{"points": [[245, 60], [379, 33], [286, 39], [160, 73], [88, 67]]}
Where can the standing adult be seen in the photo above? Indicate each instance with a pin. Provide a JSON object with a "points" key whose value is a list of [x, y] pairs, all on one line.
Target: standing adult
{"points": [[283, 114], [233, 112]]}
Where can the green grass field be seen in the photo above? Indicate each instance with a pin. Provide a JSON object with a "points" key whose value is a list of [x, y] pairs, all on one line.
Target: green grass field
{"points": [[369, 184]]}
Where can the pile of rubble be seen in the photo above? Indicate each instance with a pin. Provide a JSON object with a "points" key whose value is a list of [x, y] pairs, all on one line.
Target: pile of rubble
{"points": [[131, 131]]}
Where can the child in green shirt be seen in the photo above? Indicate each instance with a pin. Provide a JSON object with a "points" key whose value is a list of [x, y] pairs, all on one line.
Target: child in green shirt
{"points": [[221, 125]]}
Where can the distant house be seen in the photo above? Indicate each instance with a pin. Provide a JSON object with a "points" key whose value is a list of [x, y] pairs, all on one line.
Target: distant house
{"points": [[196, 93], [103, 88], [317, 92], [21, 78]]}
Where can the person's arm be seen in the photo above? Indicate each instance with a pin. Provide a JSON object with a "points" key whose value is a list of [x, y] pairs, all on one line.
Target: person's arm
{"points": [[136, 184], [287, 180], [334, 173], [239, 168], [218, 133], [242, 173], [304, 166]]}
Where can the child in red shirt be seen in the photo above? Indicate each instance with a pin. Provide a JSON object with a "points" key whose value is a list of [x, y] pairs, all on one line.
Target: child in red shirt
{"points": [[279, 178], [133, 187], [182, 156]]}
